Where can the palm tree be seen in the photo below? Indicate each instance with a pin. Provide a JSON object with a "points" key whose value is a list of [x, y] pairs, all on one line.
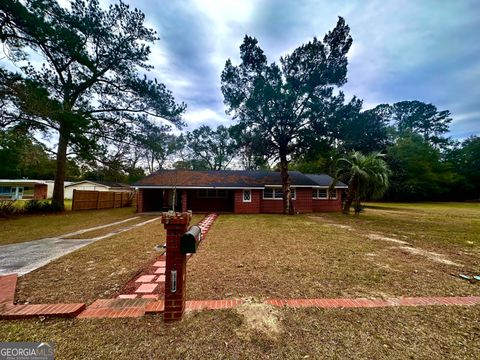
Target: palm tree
{"points": [[367, 176]]}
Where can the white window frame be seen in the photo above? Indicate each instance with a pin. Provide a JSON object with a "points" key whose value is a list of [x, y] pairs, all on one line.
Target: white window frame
{"points": [[316, 192], [274, 191], [332, 197], [243, 195]]}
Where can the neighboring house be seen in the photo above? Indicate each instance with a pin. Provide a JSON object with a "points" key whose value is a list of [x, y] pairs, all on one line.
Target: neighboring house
{"points": [[236, 191], [18, 189], [96, 186], [51, 183]]}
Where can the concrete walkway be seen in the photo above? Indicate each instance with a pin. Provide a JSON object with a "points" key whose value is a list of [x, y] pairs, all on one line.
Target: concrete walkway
{"points": [[25, 257]]}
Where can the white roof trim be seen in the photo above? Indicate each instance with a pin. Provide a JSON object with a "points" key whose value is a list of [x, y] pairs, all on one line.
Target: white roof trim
{"points": [[196, 187], [232, 187], [88, 181], [22, 181]]}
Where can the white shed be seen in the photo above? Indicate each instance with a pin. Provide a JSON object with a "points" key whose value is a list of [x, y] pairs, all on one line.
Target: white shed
{"points": [[96, 186]]}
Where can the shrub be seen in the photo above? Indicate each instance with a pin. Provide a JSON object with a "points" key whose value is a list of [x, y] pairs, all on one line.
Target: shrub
{"points": [[37, 206], [8, 209]]}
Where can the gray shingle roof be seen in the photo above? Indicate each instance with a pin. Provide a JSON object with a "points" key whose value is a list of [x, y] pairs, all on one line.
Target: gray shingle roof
{"points": [[324, 180], [223, 178]]}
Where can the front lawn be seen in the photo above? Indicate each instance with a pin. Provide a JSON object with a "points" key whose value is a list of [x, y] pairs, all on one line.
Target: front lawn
{"points": [[33, 227], [97, 270], [332, 255], [387, 333], [275, 256]]}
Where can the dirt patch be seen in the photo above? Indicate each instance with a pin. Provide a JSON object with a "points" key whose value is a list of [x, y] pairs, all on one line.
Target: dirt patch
{"points": [[430, 255], [384, 238], [259, 318], [340, 226]]}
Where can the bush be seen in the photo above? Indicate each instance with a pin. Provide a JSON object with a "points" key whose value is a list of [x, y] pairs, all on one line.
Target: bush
{"points": [[8, 209], [37, 207]]}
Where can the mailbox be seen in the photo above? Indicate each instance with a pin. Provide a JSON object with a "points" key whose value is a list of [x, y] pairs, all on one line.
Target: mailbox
{"points": [[190, 240]]}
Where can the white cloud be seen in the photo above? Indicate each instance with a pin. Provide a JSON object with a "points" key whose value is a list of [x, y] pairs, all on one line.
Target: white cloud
{"points": [[195, 118]]}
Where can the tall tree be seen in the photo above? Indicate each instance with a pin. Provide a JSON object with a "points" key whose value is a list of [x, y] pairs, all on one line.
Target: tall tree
{"points": [[418, 170], [281, 102], [155, 145], [249, 147], [213, 148], [367, 132], [423, 119], [468, 165], [89, 77], [367, 176]]}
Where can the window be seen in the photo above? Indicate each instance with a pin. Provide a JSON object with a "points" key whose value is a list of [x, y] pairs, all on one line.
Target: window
{"points": [[293, 193], [277, 193], [332, 194], [319, 193], [211, 193], [268, 193], [247, 195]]}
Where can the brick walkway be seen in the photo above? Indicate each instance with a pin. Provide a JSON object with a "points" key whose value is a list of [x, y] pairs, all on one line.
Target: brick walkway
{"points": [[144, 298], [136, 307], [150, 284], [112, 308], [10, 311]]}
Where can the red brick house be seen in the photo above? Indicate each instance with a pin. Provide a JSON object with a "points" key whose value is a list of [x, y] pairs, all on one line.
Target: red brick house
{"points": [[235, 191]]}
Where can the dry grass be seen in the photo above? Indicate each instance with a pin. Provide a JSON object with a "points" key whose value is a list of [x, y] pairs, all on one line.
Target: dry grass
{"points": [[388, 333], [98, 270], [453, 226], [95, 233], [277, 256], [33, 227], [311, 256]]}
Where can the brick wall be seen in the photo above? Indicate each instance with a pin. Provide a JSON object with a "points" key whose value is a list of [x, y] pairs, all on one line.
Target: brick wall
{"points": [[252, 207], [272, 206], [40, 191], [301, 204], [322, 205], [140, 200]]}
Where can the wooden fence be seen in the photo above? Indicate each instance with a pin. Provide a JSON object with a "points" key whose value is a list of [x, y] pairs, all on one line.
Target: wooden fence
{"points": [[90, 199]]}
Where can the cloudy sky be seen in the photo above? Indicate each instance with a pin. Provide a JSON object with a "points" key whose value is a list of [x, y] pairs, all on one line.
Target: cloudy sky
{"points": [[427, 50]]}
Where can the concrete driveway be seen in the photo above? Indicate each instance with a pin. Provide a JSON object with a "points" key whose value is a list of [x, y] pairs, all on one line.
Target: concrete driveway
{"points": [[24, 257], [27, 256]]}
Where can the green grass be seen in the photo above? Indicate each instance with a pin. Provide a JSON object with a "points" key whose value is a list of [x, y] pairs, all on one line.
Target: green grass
{"points": [[33, 227], [449, 226], [20, 204]]}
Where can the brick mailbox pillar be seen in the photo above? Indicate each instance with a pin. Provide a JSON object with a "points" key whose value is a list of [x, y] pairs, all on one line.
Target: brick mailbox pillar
{"points": [[176, 225]]}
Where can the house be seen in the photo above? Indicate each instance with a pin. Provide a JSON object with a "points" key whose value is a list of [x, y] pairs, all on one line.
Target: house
{"points": [[236, 191], [96, 186], [23, 189]]}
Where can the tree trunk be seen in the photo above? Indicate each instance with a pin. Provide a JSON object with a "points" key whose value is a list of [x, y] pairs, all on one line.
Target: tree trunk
{"points": [[287, 197], [58, 187], [351, 193]]}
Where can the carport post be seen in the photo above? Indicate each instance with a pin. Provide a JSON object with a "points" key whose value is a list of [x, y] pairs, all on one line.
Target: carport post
{"points": [[176, 225], [184, 200]]}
